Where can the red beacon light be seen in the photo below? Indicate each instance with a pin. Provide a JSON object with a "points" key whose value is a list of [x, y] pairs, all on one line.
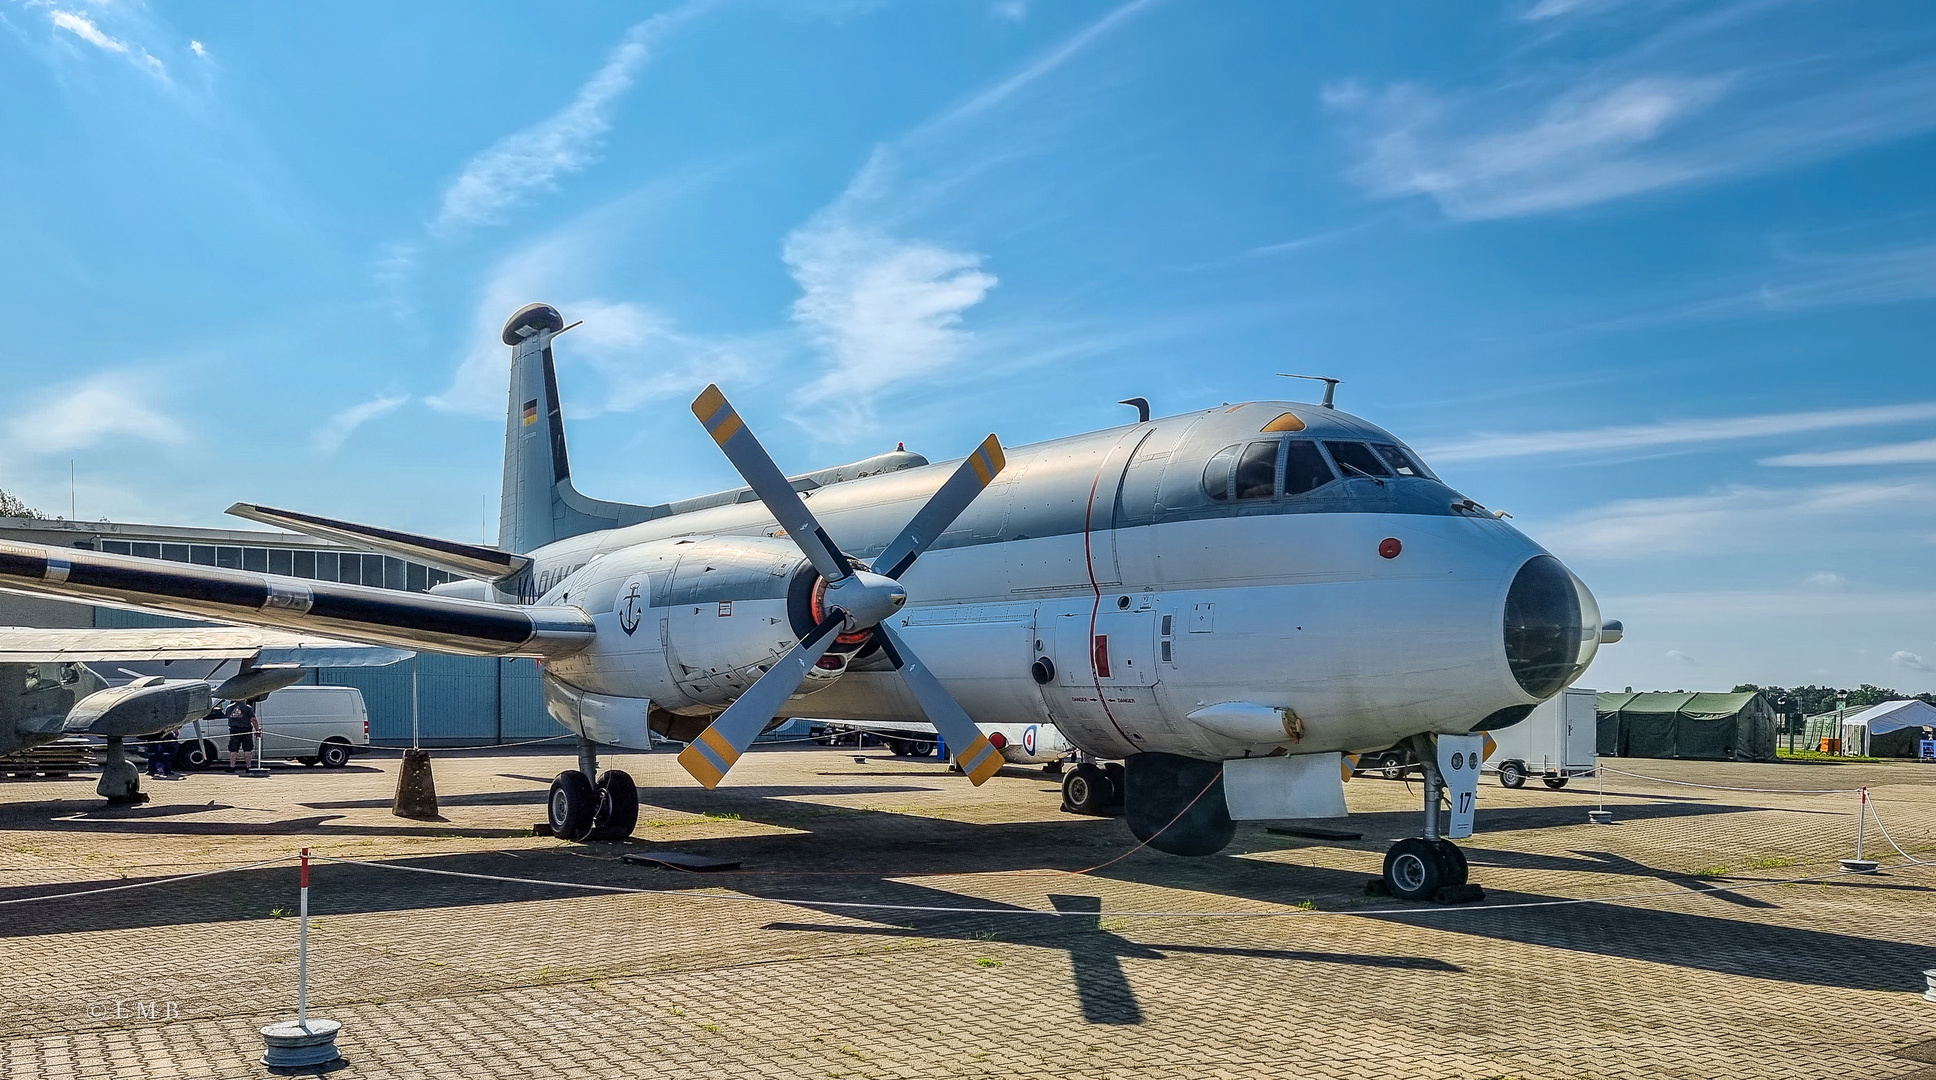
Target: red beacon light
{"points": [[1389, 547], [997, 740]]}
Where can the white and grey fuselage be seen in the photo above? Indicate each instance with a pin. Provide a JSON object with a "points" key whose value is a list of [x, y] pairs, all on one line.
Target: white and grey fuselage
{"points": [[1113, 584]]}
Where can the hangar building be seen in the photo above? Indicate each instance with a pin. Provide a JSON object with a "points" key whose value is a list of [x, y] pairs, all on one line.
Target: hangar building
{"points": [[462, 700]]}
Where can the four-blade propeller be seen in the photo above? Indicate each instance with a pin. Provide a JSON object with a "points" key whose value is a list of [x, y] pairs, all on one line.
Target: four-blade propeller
{"points": [[856, 600]]}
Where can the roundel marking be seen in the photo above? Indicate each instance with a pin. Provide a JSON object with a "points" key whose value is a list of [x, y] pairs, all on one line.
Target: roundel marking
{"points": [[1028, 740]]}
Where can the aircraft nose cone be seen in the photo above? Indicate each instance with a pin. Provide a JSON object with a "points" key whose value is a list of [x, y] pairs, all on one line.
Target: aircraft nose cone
{"points": [[1544, 627]]}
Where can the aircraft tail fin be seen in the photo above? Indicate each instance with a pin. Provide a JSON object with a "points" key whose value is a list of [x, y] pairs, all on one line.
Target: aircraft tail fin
{"points": [[539, 503]]}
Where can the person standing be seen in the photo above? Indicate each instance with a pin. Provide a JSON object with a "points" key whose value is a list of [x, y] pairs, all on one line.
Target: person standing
{"points": [[162, 749], [244, 733]]}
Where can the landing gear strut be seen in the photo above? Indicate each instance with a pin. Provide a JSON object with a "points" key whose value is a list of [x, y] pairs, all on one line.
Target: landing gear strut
{"points": [[120, 781], [1423, 868], [586, 806]]}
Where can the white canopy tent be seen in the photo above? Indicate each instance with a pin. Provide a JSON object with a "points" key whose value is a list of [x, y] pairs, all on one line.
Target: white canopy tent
{"points": [[1859, 728]]}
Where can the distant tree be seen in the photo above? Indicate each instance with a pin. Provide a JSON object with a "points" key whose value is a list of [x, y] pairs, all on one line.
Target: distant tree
{"points": [[11, 506]]}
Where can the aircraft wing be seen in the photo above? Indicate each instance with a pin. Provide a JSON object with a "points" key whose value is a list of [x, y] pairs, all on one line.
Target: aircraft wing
{"points": [[266, 648], [470, 560], [362, 613]]}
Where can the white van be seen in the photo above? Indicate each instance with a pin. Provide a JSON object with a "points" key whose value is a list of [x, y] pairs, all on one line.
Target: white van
{"points": [[310, 724]]}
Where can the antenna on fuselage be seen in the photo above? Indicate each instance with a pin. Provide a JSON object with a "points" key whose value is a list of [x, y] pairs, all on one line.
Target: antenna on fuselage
{"points": [[1330, 386], [1142, 407]]}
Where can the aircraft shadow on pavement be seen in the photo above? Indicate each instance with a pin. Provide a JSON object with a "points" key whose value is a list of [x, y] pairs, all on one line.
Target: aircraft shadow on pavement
{"points": [[878, 851]]}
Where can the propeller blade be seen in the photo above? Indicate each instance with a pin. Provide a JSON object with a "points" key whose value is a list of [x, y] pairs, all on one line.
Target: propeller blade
{"points": [[977, 757], [768, 482], [976, 472], [718, 747]]}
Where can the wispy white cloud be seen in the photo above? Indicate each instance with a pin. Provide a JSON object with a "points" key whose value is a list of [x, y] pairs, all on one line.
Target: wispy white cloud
{"points": [[101, 408], [1680, 657], [532, 160], [637, 352], [1712, 96], [1011, 10], [197, 48], [1910, 453], [882, 307], [1742, 519], [1641, 437], [1905, 658], [85, 29], [337, 429], [1827, 580]]}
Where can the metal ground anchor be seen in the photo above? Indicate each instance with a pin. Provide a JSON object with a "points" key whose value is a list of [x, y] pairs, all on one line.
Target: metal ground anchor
{"points": [[294, 1044], [1929, 977]]}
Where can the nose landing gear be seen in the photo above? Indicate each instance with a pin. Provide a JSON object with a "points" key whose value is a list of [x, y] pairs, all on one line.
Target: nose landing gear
{"points": [[1432, 867]]}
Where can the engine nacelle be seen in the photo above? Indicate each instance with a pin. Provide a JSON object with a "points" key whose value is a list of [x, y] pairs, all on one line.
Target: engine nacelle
{"points": [[690, 623]]}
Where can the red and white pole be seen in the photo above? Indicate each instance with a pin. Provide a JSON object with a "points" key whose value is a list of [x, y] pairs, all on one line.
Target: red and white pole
{"points": [[302, 947]]}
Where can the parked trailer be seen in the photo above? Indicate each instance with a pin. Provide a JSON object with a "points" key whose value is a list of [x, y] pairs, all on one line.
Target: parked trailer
{"points": [[1556, 742]]}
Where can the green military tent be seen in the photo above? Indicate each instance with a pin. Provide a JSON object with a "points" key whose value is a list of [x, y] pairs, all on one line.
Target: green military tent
{"points": [[1711, 727]]}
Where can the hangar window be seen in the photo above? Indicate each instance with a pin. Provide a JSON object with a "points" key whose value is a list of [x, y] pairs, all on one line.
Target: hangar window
{"points": [[305, 564], [228, 558], [326, 566], [1216, 475], [201, 554], [117, 547], [1256, 474], [1356, 459], [1402, 463], [147, 551], [280, 561], [1305, 468], [175, 552], [256, 559]]}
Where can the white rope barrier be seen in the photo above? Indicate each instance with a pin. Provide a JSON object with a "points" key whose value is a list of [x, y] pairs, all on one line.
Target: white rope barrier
{"points": [[149, 884], [1717, 787], [949, 910]]}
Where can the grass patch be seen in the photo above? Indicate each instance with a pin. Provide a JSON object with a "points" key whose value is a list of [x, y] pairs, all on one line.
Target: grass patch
{"points": [[1774, 862], [1784, 754], [987, 962], [1715, 871]]}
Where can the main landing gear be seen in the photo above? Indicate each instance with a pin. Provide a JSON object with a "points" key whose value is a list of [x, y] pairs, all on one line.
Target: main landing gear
{"points": [[586, 806], [1096, 790], [1432, 867]]}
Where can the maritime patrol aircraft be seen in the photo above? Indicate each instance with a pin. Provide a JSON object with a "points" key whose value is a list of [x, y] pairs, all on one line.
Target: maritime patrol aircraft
{"points": [[1229, 601]]}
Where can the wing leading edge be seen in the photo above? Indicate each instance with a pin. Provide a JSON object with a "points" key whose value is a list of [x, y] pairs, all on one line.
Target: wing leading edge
{"points": [[353, 612]]}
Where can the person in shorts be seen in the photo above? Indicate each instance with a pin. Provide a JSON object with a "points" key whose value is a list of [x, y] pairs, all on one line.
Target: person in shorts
{"points": [[243, 733]]}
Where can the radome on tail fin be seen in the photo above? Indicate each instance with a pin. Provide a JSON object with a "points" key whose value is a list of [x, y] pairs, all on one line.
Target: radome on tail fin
{"points": [[539, 503]]}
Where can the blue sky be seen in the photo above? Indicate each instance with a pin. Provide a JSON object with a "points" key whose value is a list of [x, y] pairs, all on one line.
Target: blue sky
{"points": [[1654, 277]]}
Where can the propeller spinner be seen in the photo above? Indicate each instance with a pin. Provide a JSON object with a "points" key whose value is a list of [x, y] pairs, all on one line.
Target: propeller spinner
{"points": [[855, 601]]}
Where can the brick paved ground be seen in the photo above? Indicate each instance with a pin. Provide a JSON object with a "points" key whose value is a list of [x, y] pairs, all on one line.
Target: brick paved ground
{"points": [[438, 976]]}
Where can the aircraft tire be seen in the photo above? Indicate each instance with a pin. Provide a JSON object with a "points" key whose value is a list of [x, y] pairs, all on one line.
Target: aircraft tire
{"points": [[569, 808], [1512, 774], [618, 807], [1085, 790], [1554, 782], [1175, 804], [1453, 856], [1415, 869]]}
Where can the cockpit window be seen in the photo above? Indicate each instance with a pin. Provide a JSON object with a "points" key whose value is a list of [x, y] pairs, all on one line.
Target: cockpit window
{"points": [[1257, 470], [1402, 463], [1356, 459], [1216, 475], [1305, 468]]}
